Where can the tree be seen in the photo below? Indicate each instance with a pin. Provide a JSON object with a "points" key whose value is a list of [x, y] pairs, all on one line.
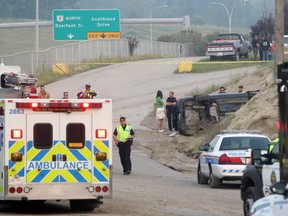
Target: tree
{"points": [[133, 44], [264, 27]]}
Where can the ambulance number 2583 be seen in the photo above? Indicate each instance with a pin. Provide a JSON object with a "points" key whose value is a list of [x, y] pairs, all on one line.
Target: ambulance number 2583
{"points": [[16, 111]]}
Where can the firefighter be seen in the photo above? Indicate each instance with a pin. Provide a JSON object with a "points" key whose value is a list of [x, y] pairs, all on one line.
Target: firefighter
{"points": [[88, 93], [123, 137]]}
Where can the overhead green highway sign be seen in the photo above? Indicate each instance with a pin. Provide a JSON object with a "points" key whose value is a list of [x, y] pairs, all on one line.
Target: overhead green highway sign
{"points": [[86, 24]]}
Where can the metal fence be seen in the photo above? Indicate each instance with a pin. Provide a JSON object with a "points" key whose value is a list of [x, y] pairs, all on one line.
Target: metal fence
{"points": [[93, 50]]}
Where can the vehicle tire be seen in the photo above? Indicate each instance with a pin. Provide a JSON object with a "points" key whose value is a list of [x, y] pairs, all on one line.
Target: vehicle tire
{"points": [[200, 177], [214, 182], [3, 83], [236, 56], [250, 196], [247, 55], [212, 58], [83, 205]]}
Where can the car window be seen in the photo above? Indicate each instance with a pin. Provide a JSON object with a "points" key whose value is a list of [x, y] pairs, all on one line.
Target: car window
{"points": [[275, 153], [213, 143], [244, 143]]}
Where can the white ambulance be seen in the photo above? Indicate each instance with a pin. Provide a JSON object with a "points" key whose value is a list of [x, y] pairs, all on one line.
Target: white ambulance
{"points": [[56, 149]]}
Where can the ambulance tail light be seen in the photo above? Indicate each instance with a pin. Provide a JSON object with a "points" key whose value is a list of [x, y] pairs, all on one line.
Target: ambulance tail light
{"points": [[19, 190], [101, 156], [103, 189], [98, 189], [224, 159], [16, 134], [12, 190], [101, 133]]}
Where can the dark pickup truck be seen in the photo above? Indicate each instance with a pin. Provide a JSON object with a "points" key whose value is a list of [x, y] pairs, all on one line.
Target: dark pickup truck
{"points": [[230, 46]]}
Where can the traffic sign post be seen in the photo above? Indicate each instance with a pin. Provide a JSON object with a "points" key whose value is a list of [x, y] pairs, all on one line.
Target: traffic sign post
{"points": [[86, 24]]}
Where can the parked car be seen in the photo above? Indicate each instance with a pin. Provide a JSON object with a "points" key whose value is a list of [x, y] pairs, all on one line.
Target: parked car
{"points": [[259, 176], [225, 158]]}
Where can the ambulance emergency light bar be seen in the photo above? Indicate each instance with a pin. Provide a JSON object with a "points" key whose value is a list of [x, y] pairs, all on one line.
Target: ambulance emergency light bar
{"points": [[58, 106]]}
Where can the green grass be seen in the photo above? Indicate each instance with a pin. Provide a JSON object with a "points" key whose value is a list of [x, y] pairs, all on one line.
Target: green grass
{"points": [[205, 65]]}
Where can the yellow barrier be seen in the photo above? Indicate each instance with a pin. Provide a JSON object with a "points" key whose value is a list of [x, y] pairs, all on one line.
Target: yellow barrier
{"points": [[60, 68], [185, 66]]}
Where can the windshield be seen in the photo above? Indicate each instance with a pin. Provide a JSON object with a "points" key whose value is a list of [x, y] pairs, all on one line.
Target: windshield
{"points": [[244, 143]]}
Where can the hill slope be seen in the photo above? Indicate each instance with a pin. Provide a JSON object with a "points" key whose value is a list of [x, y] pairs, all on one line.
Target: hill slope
{"points": [[260, 113]]}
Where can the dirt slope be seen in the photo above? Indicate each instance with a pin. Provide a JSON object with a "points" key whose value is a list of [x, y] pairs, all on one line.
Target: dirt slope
{"points": [[260, 113]]}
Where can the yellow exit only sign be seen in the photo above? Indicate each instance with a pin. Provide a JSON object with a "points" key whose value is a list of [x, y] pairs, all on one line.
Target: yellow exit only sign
{"points": [[103, 35]]}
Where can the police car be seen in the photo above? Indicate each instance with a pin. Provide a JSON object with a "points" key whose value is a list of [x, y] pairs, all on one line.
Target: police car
{"points": [[274, 205], [226, 156]]}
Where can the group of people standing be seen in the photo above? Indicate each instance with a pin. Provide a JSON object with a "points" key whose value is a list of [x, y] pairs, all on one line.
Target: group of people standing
{"points": [[87, 93], [262, 46], [168, 109]]}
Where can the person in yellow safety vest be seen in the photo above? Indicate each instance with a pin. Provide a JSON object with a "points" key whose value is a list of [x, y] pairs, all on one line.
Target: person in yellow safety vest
{"points": [[123, 137], [87, 93], [271, 146]]}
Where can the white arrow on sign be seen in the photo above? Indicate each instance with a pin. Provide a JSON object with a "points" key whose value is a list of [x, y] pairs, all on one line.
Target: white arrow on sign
{"points": [[70, 36]]}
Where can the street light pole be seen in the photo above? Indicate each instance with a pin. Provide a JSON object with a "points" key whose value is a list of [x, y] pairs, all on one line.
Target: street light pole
{"points": [[37, 33], [230, 14], [151, 15]]}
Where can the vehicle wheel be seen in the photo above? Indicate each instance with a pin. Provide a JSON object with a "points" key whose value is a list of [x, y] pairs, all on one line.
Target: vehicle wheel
{"points": [[237, 57], [214, 182], [247, 55], [3, 83], [83, 205], [250, 196], [212, 58], [200, 177]]}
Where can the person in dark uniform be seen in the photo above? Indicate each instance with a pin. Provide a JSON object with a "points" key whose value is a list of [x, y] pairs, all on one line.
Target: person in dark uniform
{"points": [[88, 93], [172, 114], [123, 137]]}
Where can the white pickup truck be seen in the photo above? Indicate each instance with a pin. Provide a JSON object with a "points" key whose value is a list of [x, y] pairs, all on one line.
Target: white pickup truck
{"points": [[229, 46]]}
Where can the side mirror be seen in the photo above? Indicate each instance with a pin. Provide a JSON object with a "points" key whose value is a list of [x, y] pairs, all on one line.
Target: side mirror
{"points": [[204, 147], [256, 156]]}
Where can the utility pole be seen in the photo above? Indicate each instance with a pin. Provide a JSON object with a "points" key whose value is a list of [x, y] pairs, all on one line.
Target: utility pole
{"points": [[279, 33]]}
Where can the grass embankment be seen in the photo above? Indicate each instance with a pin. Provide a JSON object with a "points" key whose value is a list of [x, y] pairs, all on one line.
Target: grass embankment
{"points": [[49, 76]]}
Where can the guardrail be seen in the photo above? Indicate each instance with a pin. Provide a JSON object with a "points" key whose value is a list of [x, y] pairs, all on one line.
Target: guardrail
{"points": [[32, 62]]}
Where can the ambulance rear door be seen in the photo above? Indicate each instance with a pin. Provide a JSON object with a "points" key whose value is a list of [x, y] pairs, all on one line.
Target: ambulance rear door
{"points": [[59, 147]]}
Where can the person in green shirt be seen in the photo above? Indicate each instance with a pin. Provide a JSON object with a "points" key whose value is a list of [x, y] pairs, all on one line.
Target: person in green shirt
{"points": [[160, 111]]}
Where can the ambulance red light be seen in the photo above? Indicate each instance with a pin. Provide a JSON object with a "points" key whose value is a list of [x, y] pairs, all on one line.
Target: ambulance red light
{"points": [[105, 189], [16, 134], [98, 189], [34, 105], [85, 105], [19, 190], [12, 190], [101, 133]]}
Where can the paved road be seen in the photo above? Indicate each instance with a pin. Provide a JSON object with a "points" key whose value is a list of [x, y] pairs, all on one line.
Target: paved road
{"points": [[133, 86], [151, 189]]}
